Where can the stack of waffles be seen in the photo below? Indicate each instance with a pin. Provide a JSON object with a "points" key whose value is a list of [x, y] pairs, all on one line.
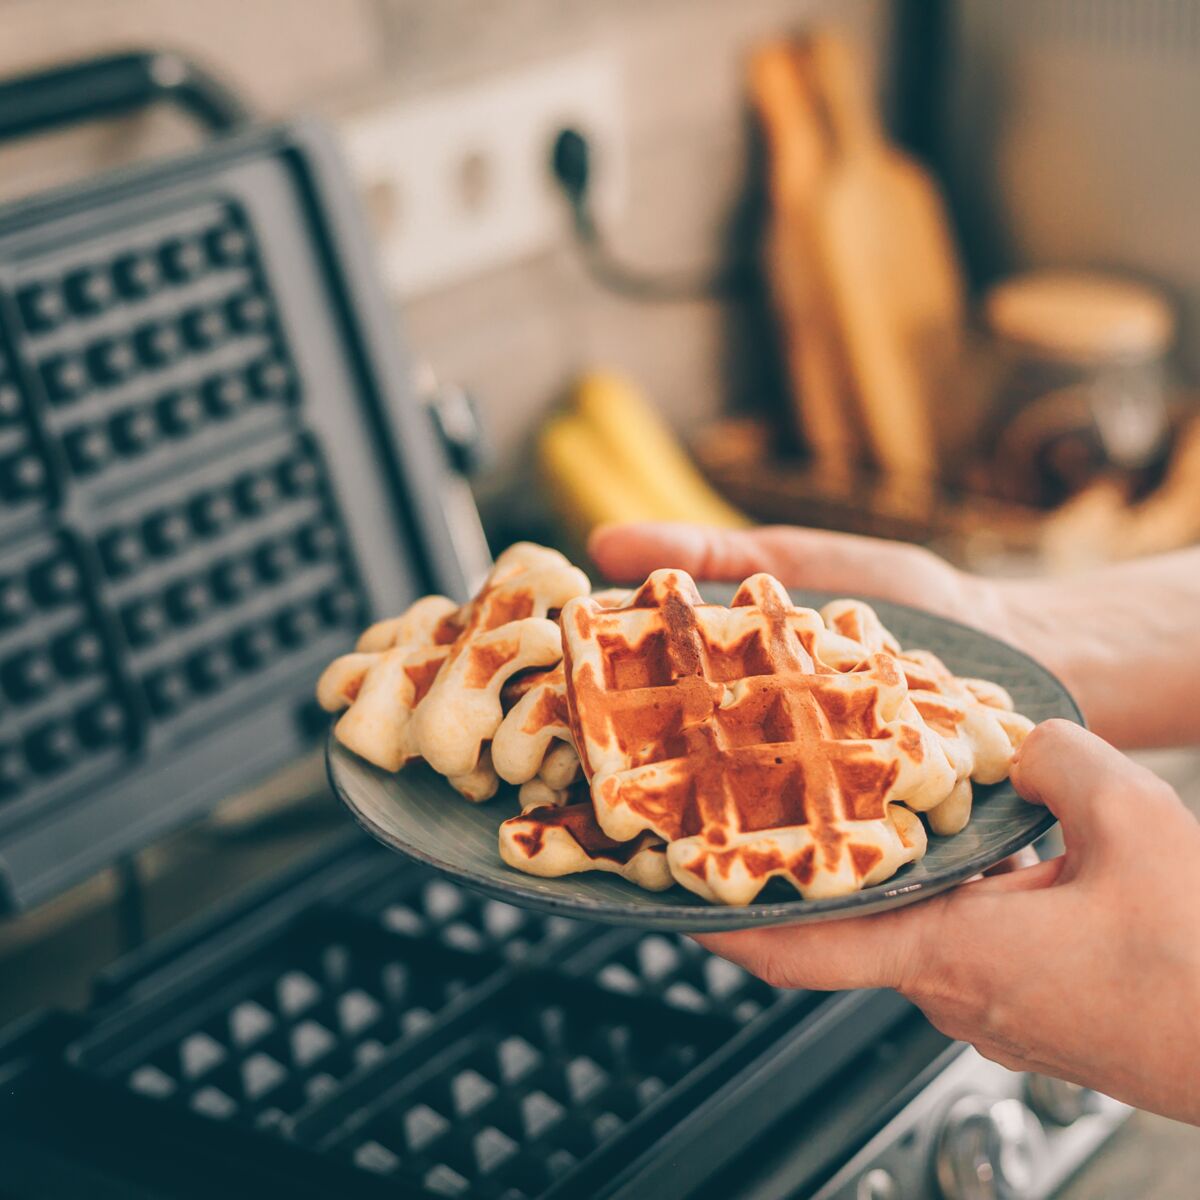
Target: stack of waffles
{"points": [[435, 682], [670, 741]]}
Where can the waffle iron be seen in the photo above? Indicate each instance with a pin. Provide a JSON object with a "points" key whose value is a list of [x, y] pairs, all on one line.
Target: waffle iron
{"points": [[357, 1028], [212, 470]]}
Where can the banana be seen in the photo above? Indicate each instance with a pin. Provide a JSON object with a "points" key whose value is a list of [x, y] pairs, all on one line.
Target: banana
{"points": [[640, 445], [586, 485]]}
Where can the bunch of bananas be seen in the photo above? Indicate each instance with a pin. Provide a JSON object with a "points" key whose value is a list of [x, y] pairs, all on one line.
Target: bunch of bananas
{"points": [[611, 457]]}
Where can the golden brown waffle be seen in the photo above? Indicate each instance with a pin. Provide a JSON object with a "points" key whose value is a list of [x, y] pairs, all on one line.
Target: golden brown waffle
{"points": [[973, 718], [428, 684], [387, 676], [533, 747], [566, 840], [724, 746], [537, 718], [754, 740]]}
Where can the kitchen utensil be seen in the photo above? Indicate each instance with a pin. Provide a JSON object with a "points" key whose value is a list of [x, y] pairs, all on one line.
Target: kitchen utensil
{"points": [[799, 158], [366, 1028], [892, 270]]}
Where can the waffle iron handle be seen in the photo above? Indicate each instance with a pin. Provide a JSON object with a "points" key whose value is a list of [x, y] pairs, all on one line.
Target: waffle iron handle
{"points": [[111, 85]]}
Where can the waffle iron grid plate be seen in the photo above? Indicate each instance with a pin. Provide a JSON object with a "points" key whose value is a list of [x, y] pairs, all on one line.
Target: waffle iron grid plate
{"points": [[405, 1036]]}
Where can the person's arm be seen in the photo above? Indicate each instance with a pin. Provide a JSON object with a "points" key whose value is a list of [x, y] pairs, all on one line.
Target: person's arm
{"points": [[1125, 639]]}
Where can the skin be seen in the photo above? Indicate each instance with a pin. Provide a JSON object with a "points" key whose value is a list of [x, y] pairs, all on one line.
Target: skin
{"points": [[1087, 966]]}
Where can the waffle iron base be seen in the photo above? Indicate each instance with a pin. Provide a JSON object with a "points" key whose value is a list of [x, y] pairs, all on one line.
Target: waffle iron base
{"points": [[365, 1028]]}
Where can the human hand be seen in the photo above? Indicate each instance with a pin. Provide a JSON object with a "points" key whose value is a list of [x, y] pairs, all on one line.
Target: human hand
{"points": [[1085, 967], [809, 558]]}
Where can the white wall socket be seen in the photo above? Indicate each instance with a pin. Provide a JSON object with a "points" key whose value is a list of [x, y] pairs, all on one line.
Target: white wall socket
{"points": [[459, 182]]}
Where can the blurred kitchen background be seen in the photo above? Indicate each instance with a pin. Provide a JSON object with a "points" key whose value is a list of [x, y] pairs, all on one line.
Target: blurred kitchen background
{"points": [[915, 269], [1057, 132]]}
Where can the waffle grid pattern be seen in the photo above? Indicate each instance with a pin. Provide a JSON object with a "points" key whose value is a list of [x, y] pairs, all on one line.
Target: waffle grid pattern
{"points": [[63, 712], [516, 1105], [391, 1032], [190, 553], [289, 1026]]}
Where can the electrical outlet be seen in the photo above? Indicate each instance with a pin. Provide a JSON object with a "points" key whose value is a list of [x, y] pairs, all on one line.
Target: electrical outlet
{"points": [[459, 182]]}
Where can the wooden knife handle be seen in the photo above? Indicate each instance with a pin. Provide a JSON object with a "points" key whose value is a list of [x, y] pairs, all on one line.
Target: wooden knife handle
{"points": [[798, 161], [789, 113], [839, 72]]}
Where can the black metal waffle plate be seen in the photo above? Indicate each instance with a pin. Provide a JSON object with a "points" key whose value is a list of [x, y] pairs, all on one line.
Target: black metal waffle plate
{"points": [[211, 473], [405, 1033], [64, 1136]]}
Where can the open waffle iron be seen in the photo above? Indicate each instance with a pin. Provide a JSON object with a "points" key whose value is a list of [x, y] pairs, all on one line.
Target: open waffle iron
{"points": [[213, 470], [360, 1028]]}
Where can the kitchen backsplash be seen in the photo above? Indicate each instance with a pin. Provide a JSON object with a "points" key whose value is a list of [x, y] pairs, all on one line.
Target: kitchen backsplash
{"points": [[515, 335]]}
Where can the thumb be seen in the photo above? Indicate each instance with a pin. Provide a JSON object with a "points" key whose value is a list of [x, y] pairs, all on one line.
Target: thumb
{"points": [[856, 952], [629, 552], [1093, 789]]}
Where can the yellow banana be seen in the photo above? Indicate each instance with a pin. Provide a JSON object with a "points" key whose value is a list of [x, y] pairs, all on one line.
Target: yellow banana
{"points": [[642, 447], [586, 485]]}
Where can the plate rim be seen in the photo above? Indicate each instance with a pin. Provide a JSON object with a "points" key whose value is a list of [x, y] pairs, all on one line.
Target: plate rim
{"points": [[711, 918]]}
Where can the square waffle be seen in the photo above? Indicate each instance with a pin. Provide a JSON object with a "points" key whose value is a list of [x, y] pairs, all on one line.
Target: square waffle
{"points": [[721, 747], [754, 740], [533, 747]]}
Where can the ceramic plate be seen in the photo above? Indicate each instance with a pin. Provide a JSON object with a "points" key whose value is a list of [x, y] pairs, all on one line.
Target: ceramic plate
{"points": [[417, 813]]}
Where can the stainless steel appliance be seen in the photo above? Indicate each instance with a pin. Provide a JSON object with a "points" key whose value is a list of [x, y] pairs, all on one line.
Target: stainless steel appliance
{"points": [[979, 1132]]}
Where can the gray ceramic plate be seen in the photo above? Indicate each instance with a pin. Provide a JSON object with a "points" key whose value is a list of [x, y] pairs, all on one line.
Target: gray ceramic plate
{"points": [[419, 814]]}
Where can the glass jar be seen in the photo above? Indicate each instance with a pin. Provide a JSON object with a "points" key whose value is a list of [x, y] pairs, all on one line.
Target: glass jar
{"points": [[1083, 388]]}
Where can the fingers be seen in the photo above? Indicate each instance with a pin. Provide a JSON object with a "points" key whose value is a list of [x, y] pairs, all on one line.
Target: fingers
{"points": [[1093, 789], [844, 562], [1018, 878], [799, 557], [629, 552], [905, 949], [861, 952]]}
